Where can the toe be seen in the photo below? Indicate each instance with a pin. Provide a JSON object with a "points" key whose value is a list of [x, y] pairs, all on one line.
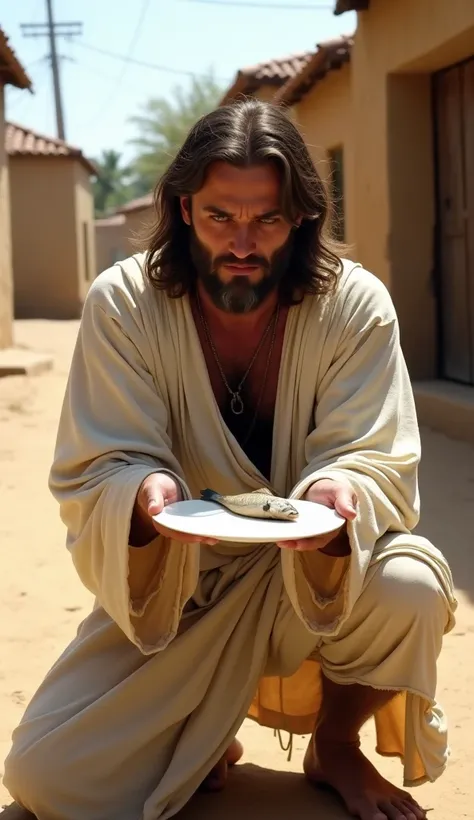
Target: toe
{"points": [[413, 810], [234, 752], [393, 812], [411, 805], [366, 810]]}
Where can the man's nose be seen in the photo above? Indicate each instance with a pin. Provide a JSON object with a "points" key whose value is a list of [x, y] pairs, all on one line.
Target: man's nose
{"points": [[242, 243]]}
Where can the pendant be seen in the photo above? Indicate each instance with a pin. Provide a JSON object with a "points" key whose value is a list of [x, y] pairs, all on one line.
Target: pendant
{"points": [[236, 404]]}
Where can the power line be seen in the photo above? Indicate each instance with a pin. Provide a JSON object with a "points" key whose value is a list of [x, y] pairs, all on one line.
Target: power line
{"points": [[127, 58], [257, 5], [93, 70], [53, 30], [144, 64]]}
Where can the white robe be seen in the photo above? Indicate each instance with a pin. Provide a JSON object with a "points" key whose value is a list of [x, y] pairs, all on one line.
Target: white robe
{"points": [[183, 641]]}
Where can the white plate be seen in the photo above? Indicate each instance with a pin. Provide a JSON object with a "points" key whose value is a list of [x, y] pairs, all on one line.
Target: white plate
{"points": [[210, 520]]}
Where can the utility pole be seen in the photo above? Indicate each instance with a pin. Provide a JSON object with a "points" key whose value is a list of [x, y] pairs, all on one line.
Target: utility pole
{"points": [[53, 30], [55, 69]]}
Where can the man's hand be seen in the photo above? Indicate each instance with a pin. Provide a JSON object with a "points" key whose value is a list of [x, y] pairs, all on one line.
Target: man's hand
{"points": [[338, 495], [155, 492]]}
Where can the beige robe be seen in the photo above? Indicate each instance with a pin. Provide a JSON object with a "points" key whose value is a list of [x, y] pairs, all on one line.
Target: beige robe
{"points": [[240, 624]]}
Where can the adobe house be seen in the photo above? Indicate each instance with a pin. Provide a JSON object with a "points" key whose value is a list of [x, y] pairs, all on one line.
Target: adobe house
{"points": [[11, 73], [110, 242], [139, 217], [121, 234], [408, 180], [320, 99], [413, 100], [52, 215]]}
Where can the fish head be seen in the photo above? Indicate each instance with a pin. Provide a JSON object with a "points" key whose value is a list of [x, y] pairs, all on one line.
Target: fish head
{"points": [[280, 508]]}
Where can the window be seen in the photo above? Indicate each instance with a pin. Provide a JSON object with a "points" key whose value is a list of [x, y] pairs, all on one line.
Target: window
{"points": [[336, 177]]}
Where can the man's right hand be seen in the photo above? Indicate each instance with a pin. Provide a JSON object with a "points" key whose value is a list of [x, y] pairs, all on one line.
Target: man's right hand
{"points": [[155, 492]]}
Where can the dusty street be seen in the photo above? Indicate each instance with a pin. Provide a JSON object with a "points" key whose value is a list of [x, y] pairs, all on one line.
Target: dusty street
{"points": [[42, 602]]}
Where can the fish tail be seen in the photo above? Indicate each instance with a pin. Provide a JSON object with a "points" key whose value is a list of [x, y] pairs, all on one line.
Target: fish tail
{"points": [[209, 495]]}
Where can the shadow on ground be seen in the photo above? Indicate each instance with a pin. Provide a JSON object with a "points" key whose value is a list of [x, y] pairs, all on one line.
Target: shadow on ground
{"points": [[254, 793], [447, 503]]}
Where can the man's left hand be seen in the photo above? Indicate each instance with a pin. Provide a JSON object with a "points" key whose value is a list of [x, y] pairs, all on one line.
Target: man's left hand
{"points": [[338, 495]]}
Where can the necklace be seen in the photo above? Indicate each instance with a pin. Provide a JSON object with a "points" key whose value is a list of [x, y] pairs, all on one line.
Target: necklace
{"points": [[236, 403], [264, 381]]}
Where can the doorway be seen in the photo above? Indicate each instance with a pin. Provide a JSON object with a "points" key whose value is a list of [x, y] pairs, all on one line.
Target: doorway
{"points": [[453, 99]]}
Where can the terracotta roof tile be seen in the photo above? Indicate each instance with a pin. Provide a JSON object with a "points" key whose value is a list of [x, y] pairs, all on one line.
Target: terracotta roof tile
{"points": [[329, 56], [11, 70], [279, 70], [273, 72], [20, 141]]}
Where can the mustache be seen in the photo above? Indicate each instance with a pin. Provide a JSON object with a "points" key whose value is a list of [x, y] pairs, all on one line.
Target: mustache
{"points": [[229, 259]]}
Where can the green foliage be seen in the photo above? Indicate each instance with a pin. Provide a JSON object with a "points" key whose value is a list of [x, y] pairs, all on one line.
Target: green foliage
{"points": [[161, 128], [164, 124], [111, 186]]}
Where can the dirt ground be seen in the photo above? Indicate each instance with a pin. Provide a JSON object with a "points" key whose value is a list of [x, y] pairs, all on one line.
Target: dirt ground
{"points": [[42, 601]]}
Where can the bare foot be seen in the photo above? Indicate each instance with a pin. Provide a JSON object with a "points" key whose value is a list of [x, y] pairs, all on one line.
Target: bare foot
{"points": [[365, 792], [217, 777]]}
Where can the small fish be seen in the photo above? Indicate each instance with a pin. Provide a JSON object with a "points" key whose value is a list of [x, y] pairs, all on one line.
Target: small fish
{"points": [[259, 504]]}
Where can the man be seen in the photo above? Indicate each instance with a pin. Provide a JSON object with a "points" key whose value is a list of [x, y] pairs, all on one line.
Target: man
{"points": [[239, 352]]}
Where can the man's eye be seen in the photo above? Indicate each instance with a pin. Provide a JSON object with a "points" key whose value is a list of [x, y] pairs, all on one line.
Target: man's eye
{"points": [[268, 220], [219, 218]]}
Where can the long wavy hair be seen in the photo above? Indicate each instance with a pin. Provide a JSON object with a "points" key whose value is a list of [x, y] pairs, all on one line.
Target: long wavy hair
{"points": [[245, 133]]}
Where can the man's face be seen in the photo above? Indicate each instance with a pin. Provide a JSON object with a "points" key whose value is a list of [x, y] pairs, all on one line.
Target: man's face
{"points": [[240, 243]]}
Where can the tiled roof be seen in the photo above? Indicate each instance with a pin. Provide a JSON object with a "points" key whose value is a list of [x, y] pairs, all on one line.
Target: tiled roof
{"points": [[330, 55], [21, 141], [272, 72], [139, 204], [11, 70], [351, 5]]}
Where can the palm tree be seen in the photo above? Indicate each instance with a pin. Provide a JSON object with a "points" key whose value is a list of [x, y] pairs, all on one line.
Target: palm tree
{"points": [[164, 125], [111, 184]]}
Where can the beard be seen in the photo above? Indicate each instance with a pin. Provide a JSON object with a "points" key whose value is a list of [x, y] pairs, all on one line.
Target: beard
{"points": [[239, 295]]}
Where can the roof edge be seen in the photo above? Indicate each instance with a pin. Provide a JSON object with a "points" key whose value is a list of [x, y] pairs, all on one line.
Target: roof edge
{"points": [[13, 70], [247, 81], [141, 203], [72, 151], [330, 56], [350, 5]]}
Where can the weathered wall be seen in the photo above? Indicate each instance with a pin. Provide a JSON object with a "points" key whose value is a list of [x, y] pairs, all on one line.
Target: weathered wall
{"points": [[44, 239], [137, 223], [265, 93], [397, 46], [324, 116], [109, 242], [85, 230], [6, 283]]}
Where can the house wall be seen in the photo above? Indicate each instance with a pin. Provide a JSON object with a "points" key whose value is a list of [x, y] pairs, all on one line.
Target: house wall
{"points": [[137, 223], [265, 93], [109, 242], [85, 229], [397, 47], [324, 117], [44, 239], [6, 282]]}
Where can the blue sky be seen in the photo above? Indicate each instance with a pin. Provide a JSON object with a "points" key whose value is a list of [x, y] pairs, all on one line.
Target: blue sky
{"points": [[100, 92]]}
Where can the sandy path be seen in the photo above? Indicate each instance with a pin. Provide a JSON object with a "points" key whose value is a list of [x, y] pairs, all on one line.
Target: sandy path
{"points": [[42, 601]]}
